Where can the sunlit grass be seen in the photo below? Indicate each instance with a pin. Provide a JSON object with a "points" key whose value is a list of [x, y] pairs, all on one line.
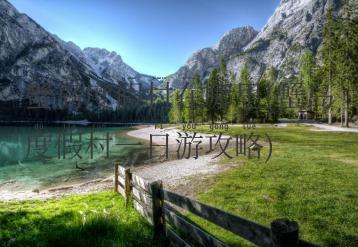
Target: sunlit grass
{"points": [[99, 219], [312, 177]]}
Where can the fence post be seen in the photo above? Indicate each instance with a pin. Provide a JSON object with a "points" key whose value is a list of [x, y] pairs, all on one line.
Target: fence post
{"points": [[284, 233], [127, 186], [151, 146], [116, 164], [158, 212]]}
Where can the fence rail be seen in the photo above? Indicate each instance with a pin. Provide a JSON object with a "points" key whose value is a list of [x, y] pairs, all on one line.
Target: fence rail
{"points": [[157, 206], [251, 231], [175, 219]]}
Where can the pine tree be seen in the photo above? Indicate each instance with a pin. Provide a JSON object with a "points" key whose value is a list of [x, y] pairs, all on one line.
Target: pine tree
{"points": [[306, 75], [247, 108], [223, 90], [189, 106], [175, 113], [274, 104], [212, 95], [199, 101], [328, 56], [232, 113], [269, 95], [346, 68], [263, 92]]}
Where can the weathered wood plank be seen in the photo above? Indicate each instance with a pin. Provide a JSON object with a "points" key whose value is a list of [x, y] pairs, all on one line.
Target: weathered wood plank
{"points": [[175, 239], [122, 170], [144, 211], [284, 232], [127, 186], [116, 167], [195, 232], [249, 230], [142, 196], [157, 207], [122, 191], [141, 183], [122, 181]]}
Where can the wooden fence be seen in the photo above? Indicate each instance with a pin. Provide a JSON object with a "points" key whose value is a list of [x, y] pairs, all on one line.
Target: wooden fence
{"points": [[158, 207]]}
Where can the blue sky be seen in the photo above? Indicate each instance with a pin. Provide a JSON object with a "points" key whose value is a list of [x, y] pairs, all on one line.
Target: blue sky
{"points": [[154, 37]]}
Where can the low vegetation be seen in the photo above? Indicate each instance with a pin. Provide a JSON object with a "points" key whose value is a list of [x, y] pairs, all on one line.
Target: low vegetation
{"points": [[311, 178], [99, 219]]}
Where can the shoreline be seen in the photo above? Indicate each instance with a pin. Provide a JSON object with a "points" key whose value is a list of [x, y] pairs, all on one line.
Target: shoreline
{"points": [[173, 172]]}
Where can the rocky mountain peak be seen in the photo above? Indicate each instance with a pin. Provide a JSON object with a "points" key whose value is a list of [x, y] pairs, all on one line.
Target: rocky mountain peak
{"points": [[38, 69], [234, 40], [108, 64], [7, 8], [204, 60], [296, 25], [290, 16], [101, 53]]}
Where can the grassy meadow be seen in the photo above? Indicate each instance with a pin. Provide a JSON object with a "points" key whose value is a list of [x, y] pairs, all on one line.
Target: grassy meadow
{"points": [[312, 177], [99, 219]]}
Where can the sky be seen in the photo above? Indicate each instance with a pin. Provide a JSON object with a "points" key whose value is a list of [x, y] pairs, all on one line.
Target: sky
{"points": [[154, 37]]}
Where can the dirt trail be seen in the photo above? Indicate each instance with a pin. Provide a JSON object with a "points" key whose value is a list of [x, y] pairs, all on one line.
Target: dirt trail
{"points": [[324, 127], [178, 172]]}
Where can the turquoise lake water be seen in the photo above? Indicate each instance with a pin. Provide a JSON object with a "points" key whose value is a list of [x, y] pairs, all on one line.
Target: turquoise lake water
{"points": [[34, 157]]}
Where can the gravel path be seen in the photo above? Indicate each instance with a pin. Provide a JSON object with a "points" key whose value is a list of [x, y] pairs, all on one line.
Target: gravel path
{"points": [[324, 127], [179, 171]]}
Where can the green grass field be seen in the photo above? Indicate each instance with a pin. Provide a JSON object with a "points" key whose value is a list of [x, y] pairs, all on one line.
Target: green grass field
{"points": [[312, 177], [99, 219]]}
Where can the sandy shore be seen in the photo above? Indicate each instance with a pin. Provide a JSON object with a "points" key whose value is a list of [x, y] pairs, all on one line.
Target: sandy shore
{"points": [[174, 173], [177, 172]]}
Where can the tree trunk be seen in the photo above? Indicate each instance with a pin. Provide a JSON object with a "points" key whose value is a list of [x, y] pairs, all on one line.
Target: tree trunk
{"points": [[329, 104], [346, 117]]}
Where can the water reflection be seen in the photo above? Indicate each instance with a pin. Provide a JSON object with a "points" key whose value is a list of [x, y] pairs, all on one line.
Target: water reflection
{"points": [[50, 156]]}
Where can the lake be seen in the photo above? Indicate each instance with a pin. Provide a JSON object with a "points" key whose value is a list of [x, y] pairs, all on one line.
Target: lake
{"points": [[35, 157]]}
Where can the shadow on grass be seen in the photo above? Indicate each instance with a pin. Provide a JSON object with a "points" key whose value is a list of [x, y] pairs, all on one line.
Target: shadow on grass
{"points": [[24, 228]]}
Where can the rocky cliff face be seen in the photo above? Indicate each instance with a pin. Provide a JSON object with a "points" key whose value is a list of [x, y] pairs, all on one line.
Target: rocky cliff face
{"points": [[39, 69], [203, 61], [30, 57], [296, 25], [110, 66]]}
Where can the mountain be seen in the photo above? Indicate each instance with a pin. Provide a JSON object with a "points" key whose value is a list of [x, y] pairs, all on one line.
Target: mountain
{"points": [[204, 60], [110, 65], [39, 70], [295, 26], [30, 57]]}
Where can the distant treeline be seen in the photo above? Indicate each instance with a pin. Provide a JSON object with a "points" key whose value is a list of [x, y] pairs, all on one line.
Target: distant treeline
{"points": [[12, 111], [324, 88]]}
